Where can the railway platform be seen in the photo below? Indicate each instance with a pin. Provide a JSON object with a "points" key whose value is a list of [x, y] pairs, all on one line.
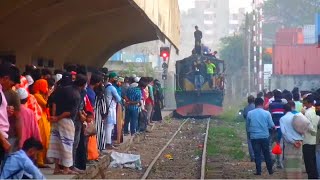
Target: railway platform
{"points": [[99, 169]]}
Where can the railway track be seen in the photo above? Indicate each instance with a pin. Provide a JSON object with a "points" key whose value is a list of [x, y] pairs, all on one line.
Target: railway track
{"points": [[184, 154]]}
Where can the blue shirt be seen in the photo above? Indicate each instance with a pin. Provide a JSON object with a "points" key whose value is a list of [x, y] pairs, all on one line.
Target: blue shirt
{"points": [[250, 107], [289, 133], [134, 94], [19, 164], [124, 89], [117, 88], [113, 98], [259, 123]]}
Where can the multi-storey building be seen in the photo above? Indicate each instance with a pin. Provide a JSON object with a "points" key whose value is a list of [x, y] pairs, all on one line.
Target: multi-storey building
{"points": [[236, 19], [212, 18]]}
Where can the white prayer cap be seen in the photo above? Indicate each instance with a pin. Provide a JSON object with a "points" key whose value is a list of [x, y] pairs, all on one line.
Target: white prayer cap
{"points": [[136, 79], [133, 75], [58, 77], [23, 93], [29, 79], [134, 84]]}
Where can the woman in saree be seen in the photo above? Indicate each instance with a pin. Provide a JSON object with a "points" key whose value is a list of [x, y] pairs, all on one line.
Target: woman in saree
{"points": [[40, 89]]}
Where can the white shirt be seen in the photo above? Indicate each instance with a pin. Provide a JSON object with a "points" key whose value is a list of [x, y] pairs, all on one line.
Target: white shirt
{"points": [[112, 99], [290, 135], [310, 136]]}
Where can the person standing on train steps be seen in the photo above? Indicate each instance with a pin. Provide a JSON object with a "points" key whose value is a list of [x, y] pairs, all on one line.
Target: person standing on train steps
{"points": [[211, 68], [197, 75], [259, 123], [214, 54]]}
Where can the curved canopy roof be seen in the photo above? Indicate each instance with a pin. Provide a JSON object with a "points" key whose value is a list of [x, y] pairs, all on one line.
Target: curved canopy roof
{"points": [[82, 31]]}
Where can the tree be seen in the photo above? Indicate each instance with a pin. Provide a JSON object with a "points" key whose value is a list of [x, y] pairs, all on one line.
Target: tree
{"points": [[287, 13], [139, 69], [232, 52]]}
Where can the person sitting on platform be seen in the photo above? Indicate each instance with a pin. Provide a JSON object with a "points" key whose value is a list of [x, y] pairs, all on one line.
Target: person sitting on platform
{"points": [[19, 165]]}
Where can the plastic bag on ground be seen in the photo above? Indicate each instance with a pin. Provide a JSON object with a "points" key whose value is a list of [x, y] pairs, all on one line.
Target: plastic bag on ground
{"points": [[125, 160]]}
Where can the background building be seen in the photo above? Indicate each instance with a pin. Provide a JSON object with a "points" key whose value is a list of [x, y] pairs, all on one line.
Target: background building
{"points": [[235, 21], [212, 18]]}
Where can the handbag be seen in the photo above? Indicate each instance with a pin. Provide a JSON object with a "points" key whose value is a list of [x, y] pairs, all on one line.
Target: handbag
{"points": [[90, 129]]}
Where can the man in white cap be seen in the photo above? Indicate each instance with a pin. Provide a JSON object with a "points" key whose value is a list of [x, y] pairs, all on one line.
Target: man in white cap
{"points": [[58, 77], [29, 125], [113, 98], [135, 82]]}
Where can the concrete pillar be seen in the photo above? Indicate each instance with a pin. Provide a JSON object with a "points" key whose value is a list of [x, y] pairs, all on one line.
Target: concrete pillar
{"points": [[169, 84]]}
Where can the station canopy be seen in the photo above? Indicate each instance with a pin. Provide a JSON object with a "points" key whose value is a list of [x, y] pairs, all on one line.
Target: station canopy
{"points": [[83, 31]]}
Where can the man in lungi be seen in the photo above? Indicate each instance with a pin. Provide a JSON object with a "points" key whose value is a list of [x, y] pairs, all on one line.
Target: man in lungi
{"points": [[65, 104], [292, 143]]}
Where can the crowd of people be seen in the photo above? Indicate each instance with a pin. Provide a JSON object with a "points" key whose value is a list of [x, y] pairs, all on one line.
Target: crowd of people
{"points": [[70, 117], [289, 121]]}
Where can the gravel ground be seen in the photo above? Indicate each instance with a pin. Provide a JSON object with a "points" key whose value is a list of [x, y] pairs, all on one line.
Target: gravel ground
{"points": [[224, 168], [147, 148], [186, 150]]}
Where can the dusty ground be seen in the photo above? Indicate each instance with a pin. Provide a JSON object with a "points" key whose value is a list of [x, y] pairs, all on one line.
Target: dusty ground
{"points": [[186, 149], [225, 166], [147, 148]]}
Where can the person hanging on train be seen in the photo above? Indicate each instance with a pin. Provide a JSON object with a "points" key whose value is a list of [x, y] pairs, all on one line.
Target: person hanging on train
{"points": [[211, 68], [197, 74], [214, 54]]}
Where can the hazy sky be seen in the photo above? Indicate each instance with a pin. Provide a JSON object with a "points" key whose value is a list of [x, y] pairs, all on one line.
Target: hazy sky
{"points": [[234, 4]]}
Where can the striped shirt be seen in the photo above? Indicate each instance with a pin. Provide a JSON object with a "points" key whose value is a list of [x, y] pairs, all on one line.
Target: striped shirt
{"points": [[276, 109], [134, 94]]}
